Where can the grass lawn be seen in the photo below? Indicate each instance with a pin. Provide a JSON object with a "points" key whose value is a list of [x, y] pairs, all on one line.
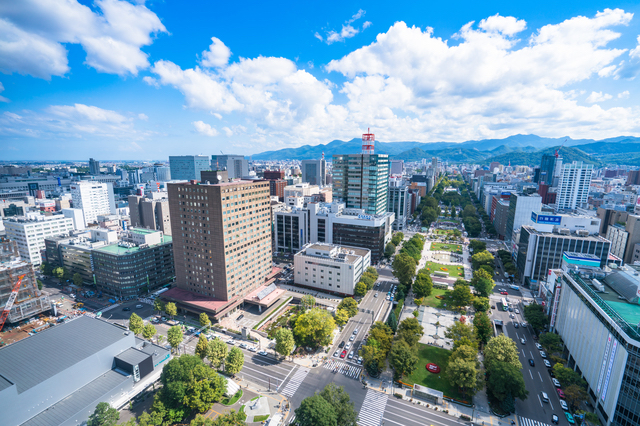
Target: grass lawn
{"points": [[434, 302], [448, 219], [233, 399], [454, 271], [257, 419], [443, 231], [454, 248], [438, 381]]}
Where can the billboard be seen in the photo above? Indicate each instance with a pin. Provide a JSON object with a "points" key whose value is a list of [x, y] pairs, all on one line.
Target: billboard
{"points": [[547, 219]]}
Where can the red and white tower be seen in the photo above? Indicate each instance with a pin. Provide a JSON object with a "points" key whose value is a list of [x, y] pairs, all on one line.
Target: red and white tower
{"points": [[368, 140]]}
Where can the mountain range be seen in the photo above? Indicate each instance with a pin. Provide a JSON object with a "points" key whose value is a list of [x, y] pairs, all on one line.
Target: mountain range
{"points": [[517, 149]]}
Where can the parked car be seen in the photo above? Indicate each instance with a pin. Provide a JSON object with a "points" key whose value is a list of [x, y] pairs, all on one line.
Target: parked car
{"points": [[547, 363], [352, 338], [564, 405], [351, 355], [240, 317], [538, 346], [569, 418], [524, 324], [243, 345], [343, 354], [231, 342], [336, 354], [543, 354], [554, 418], [560, 393], [341, 345], [253, 349], [264, 353]]}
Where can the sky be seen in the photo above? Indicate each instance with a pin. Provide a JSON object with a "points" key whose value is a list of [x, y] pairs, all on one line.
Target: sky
{"points": [[120, 80]]}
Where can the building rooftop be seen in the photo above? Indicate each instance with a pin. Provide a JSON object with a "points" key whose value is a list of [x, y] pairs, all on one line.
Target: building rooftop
{"points": [[122, 250], [590, 237]]}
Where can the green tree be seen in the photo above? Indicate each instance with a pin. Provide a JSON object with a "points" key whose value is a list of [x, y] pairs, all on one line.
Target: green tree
{"points": [[536, 317], [392, 321], [468, 211], [551, 342], [482, 327], [341, 317], [217, 352], [315, 411], [232, 418], [170, 309], [39, 284], [158, 306], [403, 358], [389, 250], [477, 246], [202, 347], [335, 395], [46, 268], [461, 334], [234, 362], [104, 415], [505, 380], [481, 304], [423, 286], [135, 323], [575, 395], [410, 331], [482, 281], [404, 268], [463, 374], [567, 376], [77, 279], [204, 320], [397, 238], [461, 295], [149, 331], [58, 273], [360, 289], [284, 341], [308, 301], [465, 353], [174, 336], [501, 349], [314, 328], [349, 305], [482, 258]]}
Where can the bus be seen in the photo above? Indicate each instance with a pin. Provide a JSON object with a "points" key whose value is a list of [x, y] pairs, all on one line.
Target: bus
{"points": [[504, 304]]}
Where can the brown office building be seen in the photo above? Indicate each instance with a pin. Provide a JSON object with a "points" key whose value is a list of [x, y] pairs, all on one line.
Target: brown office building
{"points": [[221, 242]]}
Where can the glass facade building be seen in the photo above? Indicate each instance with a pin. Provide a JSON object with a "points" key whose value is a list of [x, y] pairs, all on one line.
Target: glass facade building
{"points": [[362, 181], [188, 167]]}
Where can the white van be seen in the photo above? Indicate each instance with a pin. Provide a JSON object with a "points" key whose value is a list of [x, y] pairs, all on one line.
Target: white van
{"points": [[514, 287], [544, 396]]}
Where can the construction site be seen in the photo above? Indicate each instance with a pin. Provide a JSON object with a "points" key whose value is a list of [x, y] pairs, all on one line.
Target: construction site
{"points": [[22, 302]]}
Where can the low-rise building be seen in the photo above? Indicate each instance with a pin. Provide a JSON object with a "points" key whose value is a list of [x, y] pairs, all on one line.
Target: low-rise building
{"points": [[330, 268]]}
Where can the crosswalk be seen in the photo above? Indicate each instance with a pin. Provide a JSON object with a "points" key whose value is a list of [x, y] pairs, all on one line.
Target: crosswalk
{"points": [[343, 368], [523, 421], [294, 382], [372, 408]]}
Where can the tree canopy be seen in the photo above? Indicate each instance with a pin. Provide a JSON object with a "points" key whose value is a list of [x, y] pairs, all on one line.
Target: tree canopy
{"points": [[403, 358], [410, 330], [149, 331], [170, 309], [314, 328], [482, 258], [217, 352], [234, 361], [284, 341], [536, 317], [461, 295], [482, 281], [423, 285], [501, 349], [204, 320], [136, 325], [505, 380], [404, 268], [175, 336], [551, 342], [104, 415], [349, 305], [482, 327], [315, 411]]}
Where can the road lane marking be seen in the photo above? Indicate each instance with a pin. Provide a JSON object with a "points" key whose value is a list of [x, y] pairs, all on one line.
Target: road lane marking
{"points": [[540, 377], [285, 379], [531, 374]]}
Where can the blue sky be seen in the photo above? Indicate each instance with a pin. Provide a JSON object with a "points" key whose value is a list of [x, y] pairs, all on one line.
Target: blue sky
{"points": [[112, 79]]}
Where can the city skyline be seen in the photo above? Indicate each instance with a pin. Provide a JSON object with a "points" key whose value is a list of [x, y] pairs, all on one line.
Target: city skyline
{"points": [[213, 78]]}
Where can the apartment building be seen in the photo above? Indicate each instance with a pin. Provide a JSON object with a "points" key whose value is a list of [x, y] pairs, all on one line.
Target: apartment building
{"points": [[93, 198], [30, 231]]}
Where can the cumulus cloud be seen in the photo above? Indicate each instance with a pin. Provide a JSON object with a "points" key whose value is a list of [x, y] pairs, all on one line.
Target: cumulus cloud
{"points": [[2, 98], [623, 95], [217, 56], [595, 97], [142, 116], [630, 68], [33, 32], [204, 128], [347, 31]]}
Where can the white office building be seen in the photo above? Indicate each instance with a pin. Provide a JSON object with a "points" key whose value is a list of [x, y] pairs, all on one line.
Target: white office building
{"points": [[399, 203], [94, 199], [573, 188], [331, 268], [30, 231]]}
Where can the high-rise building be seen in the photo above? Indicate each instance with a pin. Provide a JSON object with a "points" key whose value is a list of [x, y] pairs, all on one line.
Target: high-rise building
{"points": [[236, 165], [633, 178], [550, 166], [94, 167], [434, 168], [93, 199], [188, 167], [221, 240], [573, 187], [162, 173], [396, 168], [30, 231], [399, 203], [151, 212], [520, 208], [314, 171]]}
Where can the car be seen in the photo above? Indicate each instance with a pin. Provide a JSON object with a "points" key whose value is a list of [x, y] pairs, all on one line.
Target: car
{"points": [[360, 360], [510, 309], [351, 355], [253, 349], [343, 354], [341, 345], [493, 306], [516, 325], [532, 362], [336, 354], [543, 354], [352, 338], [524, 324], [503, 292], [560, 393], [511, 316], [243, 345], [517, 311], [551, 373], [263, 353], [375, 295], [240, 317], [524, 342], [163, 319], [231, 342], [547, 363], [355, 331], [556, 382], [502, 289], [347, 346], [126, 309], [564, 405], [569, 418], [388, 297], [538, 346], [544, 396], [139, 306], [554, 419]]}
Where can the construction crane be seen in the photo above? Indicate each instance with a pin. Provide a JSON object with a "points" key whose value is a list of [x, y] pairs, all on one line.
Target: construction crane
{"points": [[12, 298], [558, 150]]}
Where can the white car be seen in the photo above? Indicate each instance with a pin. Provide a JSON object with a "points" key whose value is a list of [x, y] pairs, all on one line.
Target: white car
{"points": [[555, 382], [564, 405], [253, 349], [546, 363], [538, 346], [336, 354], [243, 345], [264, 353], [351, 355], [231, 342]]}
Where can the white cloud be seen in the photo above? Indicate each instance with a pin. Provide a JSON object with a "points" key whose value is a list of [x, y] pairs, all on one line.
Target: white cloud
{"points": [[92, 113], [217, 56], [595, 97], [204, 128], [2, 98], [218, 116], [507, 25], [623, 95], [32, 34], [227, 131], [142, 116], [347, 31], [631, 68], [151, 81]]}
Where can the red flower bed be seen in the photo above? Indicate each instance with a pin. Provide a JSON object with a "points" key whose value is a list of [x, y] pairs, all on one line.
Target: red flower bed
{"points": [[432, 368]]}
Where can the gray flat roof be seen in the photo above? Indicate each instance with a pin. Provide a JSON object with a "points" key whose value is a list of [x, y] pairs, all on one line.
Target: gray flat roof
{"points": [[79, 400], [132, 356], [35, 359]]}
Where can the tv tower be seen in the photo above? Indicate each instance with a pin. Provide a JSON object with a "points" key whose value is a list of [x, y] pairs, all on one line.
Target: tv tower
{"points": [[368, 140]]}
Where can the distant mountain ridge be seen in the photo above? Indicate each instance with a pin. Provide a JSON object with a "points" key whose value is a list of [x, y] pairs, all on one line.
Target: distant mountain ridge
{"points": [[517, 149]]}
